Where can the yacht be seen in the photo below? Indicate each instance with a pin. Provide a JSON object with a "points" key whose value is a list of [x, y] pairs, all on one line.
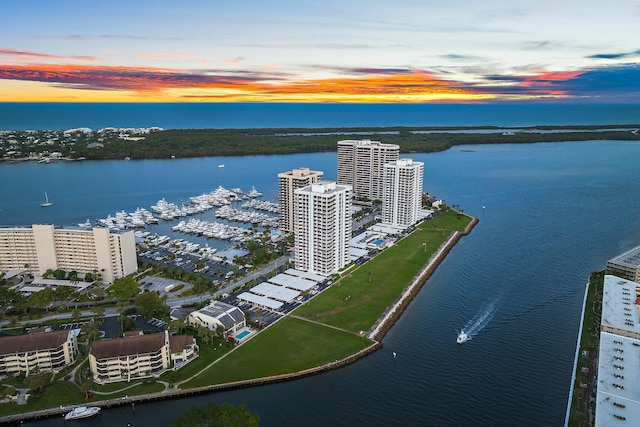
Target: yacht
{"points": [[82, 412], [462, 337], [220, 166]]}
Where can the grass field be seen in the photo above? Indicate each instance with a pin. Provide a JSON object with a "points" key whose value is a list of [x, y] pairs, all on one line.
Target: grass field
{"points": [[291, 345], [357, 300]]}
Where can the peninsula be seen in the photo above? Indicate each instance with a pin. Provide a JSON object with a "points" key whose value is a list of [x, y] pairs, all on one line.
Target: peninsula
{"points": [[343, 323]]}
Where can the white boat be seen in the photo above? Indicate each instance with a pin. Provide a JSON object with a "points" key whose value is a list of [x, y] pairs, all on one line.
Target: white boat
{"points": [[462, 337], [47, 203], [220, 166], [82, 412]]}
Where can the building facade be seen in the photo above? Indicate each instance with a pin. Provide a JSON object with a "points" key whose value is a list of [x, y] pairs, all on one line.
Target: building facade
{"points": [[124, 359], [361, 165], [402, 192], [39, 352], [288, 182], [322, 227], [626, 265], [43, 247]]}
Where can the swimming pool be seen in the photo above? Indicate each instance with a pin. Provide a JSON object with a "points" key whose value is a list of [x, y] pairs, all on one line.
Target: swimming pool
{"points": [[242, 335], [378, 242]]}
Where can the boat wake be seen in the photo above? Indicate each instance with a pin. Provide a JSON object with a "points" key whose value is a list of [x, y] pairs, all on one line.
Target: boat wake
{"points": [[479, 321]]}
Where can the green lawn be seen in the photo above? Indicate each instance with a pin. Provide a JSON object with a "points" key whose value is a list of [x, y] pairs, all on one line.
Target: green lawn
{"points": [[53, 395], [291, 345], [357, 300]]}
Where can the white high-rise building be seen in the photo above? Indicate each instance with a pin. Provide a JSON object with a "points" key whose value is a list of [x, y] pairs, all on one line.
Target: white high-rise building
{"points": [[322, 227], [402, 198], [361, 165], [288, 182], [43, 247]]}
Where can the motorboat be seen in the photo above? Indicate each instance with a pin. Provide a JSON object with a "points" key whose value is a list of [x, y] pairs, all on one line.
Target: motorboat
{"points": [[462, 337], [220, 166], [82, 412]]}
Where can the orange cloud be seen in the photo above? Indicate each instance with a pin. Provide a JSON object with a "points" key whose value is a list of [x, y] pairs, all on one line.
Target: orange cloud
{"points": [[357, 85]]}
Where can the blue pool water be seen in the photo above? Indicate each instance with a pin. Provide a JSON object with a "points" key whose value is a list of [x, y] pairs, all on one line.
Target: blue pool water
{"points": [[242, 335], [378, 242]]}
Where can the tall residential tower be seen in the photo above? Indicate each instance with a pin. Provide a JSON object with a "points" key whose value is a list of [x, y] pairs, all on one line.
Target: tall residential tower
{"points": [[361, 165], [322, 227], [402, 196], [288, 182]]}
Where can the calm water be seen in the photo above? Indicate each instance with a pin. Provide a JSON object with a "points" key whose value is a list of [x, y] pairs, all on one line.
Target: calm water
{"points": [[552, 214], [20, 116]]}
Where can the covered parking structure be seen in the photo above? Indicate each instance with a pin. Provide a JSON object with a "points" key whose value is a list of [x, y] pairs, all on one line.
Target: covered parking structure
{"points": [[260, 301], [278, 293], [297, 283], [306, 275]]}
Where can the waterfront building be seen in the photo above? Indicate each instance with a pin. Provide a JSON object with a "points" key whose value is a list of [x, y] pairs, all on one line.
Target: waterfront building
{"points": [[361, 165], [44, 247], [402, 192], [288, 182], [37, 352], [322, 227], [617, 391], [626, 265], [218, 314], [139, 356]]}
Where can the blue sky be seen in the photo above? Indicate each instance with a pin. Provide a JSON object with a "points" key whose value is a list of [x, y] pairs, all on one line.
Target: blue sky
{"points": [[330, 51]]}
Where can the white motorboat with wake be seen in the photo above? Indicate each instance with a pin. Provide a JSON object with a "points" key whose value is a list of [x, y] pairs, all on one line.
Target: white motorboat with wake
{"points": [[462, 337]]}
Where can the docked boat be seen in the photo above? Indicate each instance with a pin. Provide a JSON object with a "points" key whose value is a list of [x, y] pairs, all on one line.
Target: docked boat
{"points": [[80, 412], [462, 337]]}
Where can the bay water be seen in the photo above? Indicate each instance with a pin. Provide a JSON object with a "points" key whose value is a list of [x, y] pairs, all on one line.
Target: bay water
{"points": [[550, 214]]}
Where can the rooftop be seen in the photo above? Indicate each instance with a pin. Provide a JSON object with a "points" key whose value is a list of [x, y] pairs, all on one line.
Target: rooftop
{"points": [[33, 342], [630, 258]]}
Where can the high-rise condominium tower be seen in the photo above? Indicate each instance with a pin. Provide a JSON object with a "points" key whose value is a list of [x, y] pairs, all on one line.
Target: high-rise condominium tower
{"points": [[402, 196], [322, 227], [288, 182], [361, 164]]}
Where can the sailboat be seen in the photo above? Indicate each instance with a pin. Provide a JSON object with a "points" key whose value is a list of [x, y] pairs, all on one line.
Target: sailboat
{"points": [[47, 203]]}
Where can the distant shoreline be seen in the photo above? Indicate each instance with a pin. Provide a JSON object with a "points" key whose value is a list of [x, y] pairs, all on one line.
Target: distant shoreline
{"points": [[142, 143]]}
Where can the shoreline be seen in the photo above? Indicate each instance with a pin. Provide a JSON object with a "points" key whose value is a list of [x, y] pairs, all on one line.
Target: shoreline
{"points": [[377, 334]]}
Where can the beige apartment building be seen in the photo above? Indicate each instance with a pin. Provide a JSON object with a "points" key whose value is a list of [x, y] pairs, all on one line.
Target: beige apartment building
{"points": [[361, 165], [37, 352], [322, 227], [402, 195], [124, 359], [43, 247], [288, 182], [626, 265]]}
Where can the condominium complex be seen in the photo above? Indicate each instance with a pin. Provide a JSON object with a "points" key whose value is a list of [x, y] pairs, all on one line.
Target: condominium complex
{"points": [[43, 247], [361, 165], [402, 192], [37, 352], [322, 227], [123, 359], [626, 265], [288, 182]]}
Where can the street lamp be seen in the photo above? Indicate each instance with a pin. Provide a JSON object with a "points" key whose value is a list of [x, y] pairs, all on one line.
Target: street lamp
{"points": [[424, 246]]}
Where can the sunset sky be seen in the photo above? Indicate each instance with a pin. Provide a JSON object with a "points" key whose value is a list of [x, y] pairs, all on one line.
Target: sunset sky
{"points": [[320, 51]]}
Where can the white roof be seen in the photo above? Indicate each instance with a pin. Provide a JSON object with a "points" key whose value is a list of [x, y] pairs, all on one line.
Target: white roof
{"points": [[279, 293], [618, 392], [619, 303], [292, 282], [386, 228], [355, 253], [306, 274], [13, 272], [630, 258], [261, 301]]}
